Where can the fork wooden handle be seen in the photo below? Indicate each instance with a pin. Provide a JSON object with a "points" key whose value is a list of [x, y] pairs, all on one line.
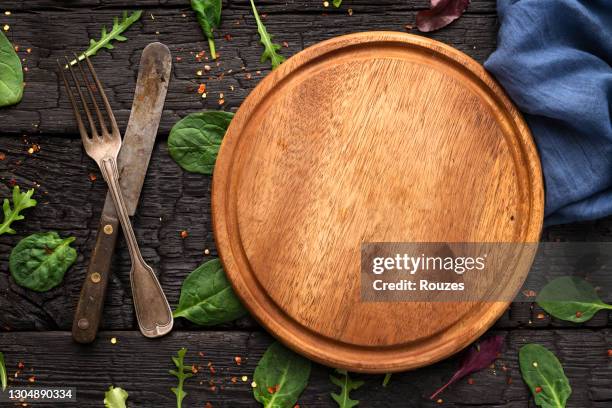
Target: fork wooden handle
{"points": [[91, 303], [152, 309]]}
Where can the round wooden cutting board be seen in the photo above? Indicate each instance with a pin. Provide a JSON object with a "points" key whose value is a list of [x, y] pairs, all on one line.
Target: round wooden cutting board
{"points": [[370, 137]]}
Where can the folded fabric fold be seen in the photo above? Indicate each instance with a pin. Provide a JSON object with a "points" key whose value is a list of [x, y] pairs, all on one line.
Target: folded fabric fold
{"points": [[554, 58]]}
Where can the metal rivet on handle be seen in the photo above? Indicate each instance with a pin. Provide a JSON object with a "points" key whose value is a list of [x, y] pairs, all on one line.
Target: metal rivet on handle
{"points": [[108, 229], [83, 324], [95, 277]]}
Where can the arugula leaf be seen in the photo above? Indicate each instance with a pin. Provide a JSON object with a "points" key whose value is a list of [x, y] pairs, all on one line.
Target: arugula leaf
{"points": [[270, 49], [39, 261], [3, 377], [347, 385], [570, 298], [207, 298], [195, 140], [337, 3], [11, 73], [208, 13], [544, 376], [476, 359], [115, 397], [182, 373], [113, 34], [280, 376], [21, 201], [387, 379]]}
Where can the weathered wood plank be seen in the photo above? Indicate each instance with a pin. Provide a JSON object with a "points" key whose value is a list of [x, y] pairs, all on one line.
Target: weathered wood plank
{"points": [[172, 201], [52, 29], [140, 366]]}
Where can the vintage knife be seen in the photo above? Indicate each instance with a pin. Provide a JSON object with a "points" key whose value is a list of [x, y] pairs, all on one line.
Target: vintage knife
{"points": [[133, 160]]}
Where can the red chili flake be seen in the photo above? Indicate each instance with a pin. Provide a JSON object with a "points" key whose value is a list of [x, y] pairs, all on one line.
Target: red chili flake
{"points": [[29, 50], [12, 182], [440, 400], [297, 406], [201, 354], [32, 379], [184, 234], [538, 390], [228, 37], [211, 368], [202, 89], [213, 388], [238, 360], [529, 293], [221, 101], [578, 314], [541, 316], [179, 59], [92, 177], [285, 44], [274, 389], [609, 352], [470, 381], [208, 405], [2, 156], [509, 380], [20, 365], [234, 380], [194, 369]]}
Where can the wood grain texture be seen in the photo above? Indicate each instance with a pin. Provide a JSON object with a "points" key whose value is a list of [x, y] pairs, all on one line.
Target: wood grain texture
{"points": [[141, 367], [367, 138], [298, 23]]}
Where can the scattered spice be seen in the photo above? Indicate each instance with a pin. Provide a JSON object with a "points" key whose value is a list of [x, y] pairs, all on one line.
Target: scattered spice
{"points": [[2, 156], [578, 314], [470, 381], [326, 4], [208, 405], [538, 390], [179, 59], [211, 368], [253, 384], [32, 379], [238, 360], [194, 369], [245, 378], [221, 101], [114, 340], [228, 37], [92, 177], [202, 89], [234, 380], [199, 72], [273, 390], [207, 68], [184, 234], [20, 365], [6, 27], [609, 352], [440, 400], [529, 293], [541, 316], [7, 13]]}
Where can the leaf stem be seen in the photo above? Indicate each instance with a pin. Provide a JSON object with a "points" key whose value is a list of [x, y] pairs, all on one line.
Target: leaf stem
{"points": [[211, 45]]}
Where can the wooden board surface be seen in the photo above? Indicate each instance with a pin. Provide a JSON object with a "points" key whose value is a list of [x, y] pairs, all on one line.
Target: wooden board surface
{"points": [[371, 137], [72, 205], [142, 370]]}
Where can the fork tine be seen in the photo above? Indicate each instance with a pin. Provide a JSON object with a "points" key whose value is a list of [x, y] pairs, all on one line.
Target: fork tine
{"points": [[92, 125], [75, 108], [109, 111], [101, 120]]}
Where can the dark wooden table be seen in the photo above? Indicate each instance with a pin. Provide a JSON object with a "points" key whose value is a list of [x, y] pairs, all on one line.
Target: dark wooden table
{"points": [[35, 327]]}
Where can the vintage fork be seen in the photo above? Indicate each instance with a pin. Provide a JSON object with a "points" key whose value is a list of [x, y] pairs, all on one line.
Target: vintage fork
{"points": [[151, 306]]}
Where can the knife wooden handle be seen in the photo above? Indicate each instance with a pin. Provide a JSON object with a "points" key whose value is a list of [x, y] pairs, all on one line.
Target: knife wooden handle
{"points": [[91, 303]]}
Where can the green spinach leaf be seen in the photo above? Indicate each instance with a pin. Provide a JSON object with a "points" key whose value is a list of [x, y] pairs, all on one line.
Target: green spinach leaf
{"points": [[109, 36], [280, 377], [3, 376], [11, 73], [208, 13], [570, 298], [194, 141], [207, 297], [182, 373], [115, 397], [270, 48], [39, 262], [544, 376], [21, 201], [346, 385]]}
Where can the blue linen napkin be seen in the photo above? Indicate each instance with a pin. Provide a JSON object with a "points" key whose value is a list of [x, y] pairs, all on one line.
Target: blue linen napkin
{"points": [[554, 58]]}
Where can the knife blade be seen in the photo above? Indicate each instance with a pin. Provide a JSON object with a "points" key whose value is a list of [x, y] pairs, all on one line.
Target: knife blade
{"points": [[132, 162]]}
